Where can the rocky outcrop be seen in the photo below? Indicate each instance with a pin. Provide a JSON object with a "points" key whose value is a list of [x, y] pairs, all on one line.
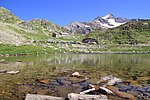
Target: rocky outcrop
{"points": [[90, 41]]}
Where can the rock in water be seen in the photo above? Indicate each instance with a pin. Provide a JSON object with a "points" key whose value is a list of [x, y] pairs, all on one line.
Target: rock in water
{"points": [[76, 74], [3, 71], [41, 97], [107, 90], [114, 80], [2, 61], [86, 91], [13, 72], [73, 96], [111, 80]]}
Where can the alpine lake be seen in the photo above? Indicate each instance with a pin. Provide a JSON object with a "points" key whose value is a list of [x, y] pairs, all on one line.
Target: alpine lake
{"points": [[37, 71]]}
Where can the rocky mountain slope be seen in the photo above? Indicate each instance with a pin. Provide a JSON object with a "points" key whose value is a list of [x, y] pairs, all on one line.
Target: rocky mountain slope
{"points": [[7, 16], [10, 36], [15, 31], [105, 22]]}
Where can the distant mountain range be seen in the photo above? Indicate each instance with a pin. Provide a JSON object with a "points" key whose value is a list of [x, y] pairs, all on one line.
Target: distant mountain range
{"points": [[105, 22], [102, 34]]}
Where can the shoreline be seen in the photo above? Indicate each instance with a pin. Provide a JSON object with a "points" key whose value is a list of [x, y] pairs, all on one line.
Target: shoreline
{"points": [[17, 55]]}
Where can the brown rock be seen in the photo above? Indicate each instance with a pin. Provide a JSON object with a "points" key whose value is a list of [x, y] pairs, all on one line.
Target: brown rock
{"points": [[44, 81], [121, 94]]}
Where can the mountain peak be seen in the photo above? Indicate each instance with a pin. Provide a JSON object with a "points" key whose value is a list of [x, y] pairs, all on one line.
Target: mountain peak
{"points": [[108, 16]]}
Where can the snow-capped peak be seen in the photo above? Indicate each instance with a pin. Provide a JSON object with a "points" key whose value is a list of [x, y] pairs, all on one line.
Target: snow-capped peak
{"points": [[108, 16]]}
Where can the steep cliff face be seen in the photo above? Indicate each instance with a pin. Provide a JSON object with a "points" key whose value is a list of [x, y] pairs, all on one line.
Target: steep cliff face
{"points": [[105, 22]]}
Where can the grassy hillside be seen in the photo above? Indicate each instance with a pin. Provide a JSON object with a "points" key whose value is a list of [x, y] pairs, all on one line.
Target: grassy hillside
{"points": [[132, 33]]}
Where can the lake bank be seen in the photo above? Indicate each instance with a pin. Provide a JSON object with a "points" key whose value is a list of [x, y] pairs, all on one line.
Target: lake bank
{"points": [[133, 68], [34, 49]]}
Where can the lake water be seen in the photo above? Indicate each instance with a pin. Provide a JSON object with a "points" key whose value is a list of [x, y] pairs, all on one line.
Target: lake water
{"points": [[125, 66]]}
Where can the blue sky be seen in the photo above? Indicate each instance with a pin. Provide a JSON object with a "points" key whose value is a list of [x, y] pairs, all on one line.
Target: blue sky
{"points": [[62, 12]]}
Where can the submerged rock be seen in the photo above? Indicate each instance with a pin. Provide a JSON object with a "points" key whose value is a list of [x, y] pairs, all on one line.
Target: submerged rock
{"points": [[62, 86]]}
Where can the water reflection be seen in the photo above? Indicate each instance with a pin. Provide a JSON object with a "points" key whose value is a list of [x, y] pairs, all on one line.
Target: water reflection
{"points": [[89, 60]]}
